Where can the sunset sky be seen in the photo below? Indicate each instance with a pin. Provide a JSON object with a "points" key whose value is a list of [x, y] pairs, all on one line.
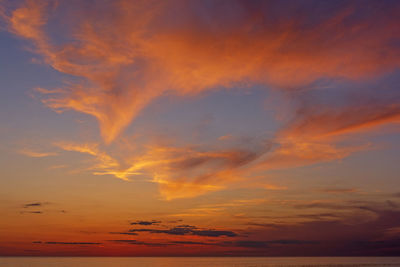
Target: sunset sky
{"points": [[199, 128]]}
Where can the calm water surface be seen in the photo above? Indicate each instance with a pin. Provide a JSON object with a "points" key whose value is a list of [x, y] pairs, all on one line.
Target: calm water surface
{"points": [[196, 262]]}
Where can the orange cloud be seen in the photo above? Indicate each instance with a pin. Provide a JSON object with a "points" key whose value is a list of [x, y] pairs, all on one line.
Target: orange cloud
{"points": [[183, 172], [329, 122], [128, 53], [104, 162], [125, 54], [316, 133], [335, 190], [190, 172], [179, 171], [320, 132], [274, 187], [28, 20], [36, 154], [225, 137], [297, 153]]}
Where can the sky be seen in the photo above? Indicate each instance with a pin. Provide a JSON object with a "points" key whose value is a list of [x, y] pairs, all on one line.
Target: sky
{"points": [[199, 128]]}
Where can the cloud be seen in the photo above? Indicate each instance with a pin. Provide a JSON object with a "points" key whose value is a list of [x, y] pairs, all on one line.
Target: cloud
{"points": [[250, 244], [186, 230], [152, 222], [326, 123], [322, 122], [123, 233], [214, 233], [32, 212], [190, 243], [35, 204], [331, 205], [335, 190], [39, 205], [323, 233], [219, 209], [266, 244], [225, 137], [178, 230], [295, 152], [35, 154], [180, 171], [343, 229], [104, 160], [104, 163], [135, 242], [190, 171], [273, 187], [324, 126], [379, 245], [66, 243], [115, 49]]}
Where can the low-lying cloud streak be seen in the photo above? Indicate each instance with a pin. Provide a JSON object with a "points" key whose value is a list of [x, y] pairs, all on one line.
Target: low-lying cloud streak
{"points": [[66, 243], [186, 230], [35, 204]]}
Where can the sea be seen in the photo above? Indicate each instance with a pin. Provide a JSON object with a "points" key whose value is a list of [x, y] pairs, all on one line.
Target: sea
{"points": [[196, 261]]}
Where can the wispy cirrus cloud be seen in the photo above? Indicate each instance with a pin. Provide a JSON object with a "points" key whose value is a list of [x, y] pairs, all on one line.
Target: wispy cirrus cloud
{"points": [[295, 152], [326, 122], [237, 44], [118, 58], [179, 171]]}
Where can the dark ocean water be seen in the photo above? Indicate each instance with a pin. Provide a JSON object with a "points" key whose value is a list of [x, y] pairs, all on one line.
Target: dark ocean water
{"points": [[196, 261]]}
